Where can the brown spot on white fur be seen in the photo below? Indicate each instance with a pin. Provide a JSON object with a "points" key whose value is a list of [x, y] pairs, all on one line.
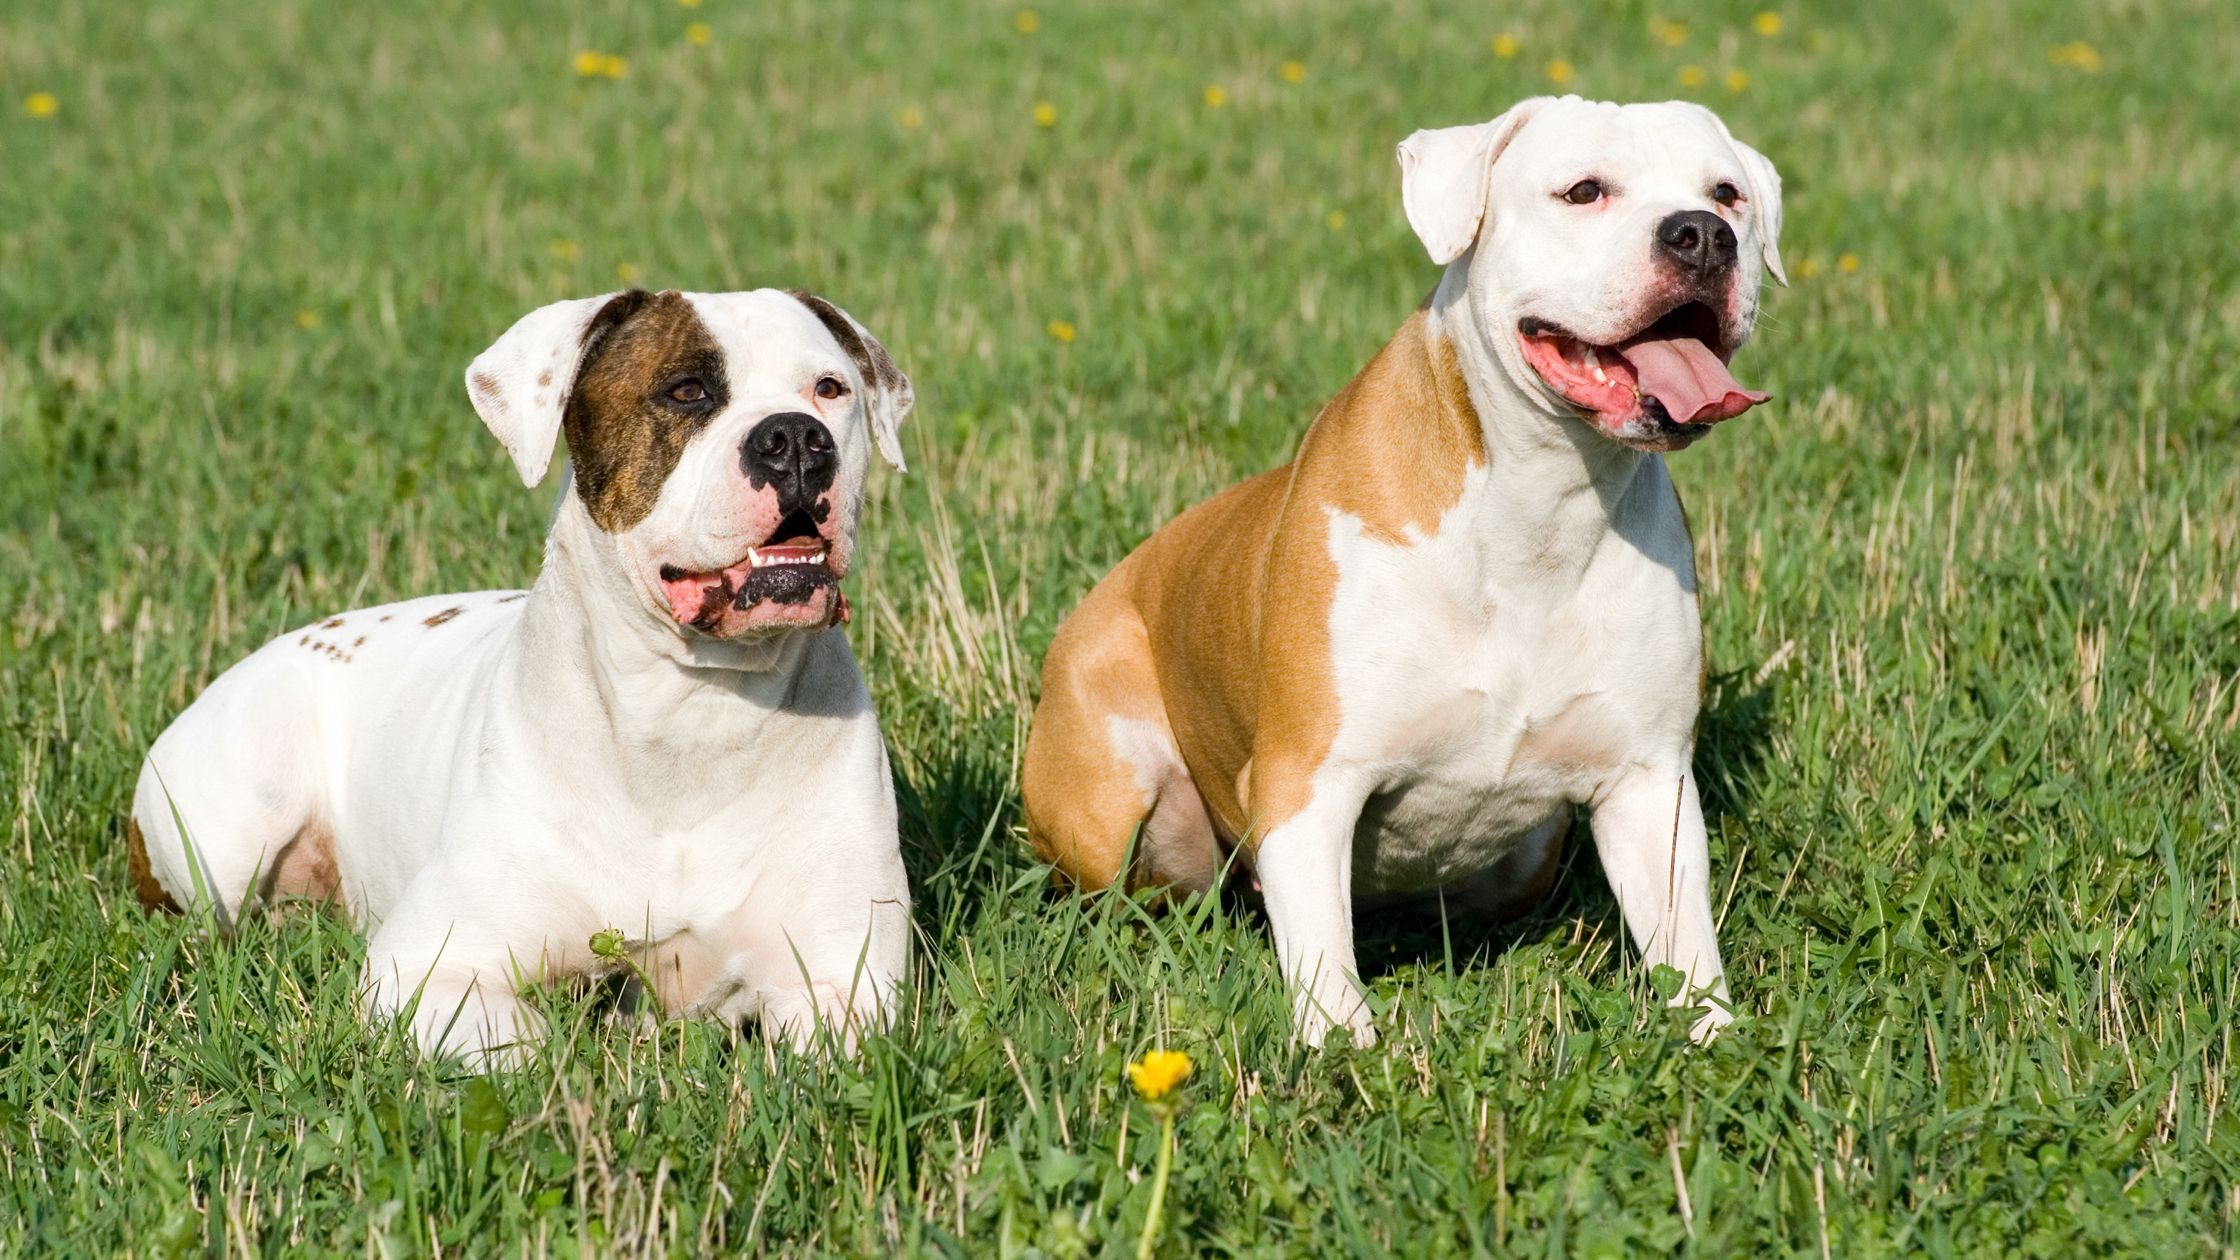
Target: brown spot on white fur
{"points": [[152, 894], [624, 434], [1234, 593], [438, 619]]}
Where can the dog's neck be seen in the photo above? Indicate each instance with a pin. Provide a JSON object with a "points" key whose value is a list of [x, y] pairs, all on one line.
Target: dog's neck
{"points": [[1555, 489], [594, 650]]}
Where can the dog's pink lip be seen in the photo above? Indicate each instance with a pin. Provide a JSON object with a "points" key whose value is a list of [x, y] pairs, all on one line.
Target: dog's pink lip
{"points": [[1677, 361], [704, 599]]}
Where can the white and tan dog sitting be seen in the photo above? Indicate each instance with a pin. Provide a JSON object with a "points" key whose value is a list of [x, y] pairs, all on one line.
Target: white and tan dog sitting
{"points": [[1395, 666], [662, 736]]}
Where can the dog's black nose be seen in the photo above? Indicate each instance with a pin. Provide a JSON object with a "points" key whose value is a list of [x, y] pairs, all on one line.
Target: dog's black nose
{"points": [[792, 451], [1697, 239]]}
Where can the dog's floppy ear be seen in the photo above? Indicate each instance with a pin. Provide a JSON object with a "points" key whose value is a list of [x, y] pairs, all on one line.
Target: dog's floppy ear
{"points": [[1765, 205], [1444, 173], [520, 385], [891, 396]]}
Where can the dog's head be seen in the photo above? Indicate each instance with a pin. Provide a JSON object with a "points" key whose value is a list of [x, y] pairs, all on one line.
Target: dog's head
{"points": [[1614, 254], [721, 440]]}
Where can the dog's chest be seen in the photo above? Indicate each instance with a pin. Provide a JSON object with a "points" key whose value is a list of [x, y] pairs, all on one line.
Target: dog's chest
{"points": [[1478, 709]]}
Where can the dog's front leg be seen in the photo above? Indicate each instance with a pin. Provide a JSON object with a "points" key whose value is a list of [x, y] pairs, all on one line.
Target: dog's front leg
{"points": [[1305, 868], [830, 985], [1648, 829], [457, 968]]}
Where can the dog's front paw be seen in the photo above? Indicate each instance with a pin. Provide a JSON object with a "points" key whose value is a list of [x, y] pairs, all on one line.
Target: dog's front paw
{"points": [[825, 1015], [474, 1018], [1316, 1012], [1716, 1016]]}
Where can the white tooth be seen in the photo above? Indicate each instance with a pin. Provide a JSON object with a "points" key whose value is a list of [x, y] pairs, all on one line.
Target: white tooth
{"points": [[1601, 377]]}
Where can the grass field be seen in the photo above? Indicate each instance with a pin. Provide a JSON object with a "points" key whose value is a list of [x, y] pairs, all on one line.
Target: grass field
{"points": [[1972, 585]]}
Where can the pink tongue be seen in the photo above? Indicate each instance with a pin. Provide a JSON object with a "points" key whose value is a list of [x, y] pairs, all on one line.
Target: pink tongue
{"points": [[1683, 374]]}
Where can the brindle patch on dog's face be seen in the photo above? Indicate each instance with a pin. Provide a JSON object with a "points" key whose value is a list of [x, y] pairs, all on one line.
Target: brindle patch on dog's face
{"points": [[626, 423]]}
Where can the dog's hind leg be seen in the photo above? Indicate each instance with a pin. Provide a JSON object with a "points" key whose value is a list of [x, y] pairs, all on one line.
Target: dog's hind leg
{"points": [[230, 807], [1108, 798]]}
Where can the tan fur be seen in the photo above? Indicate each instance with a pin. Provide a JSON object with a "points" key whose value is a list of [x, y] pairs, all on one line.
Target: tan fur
{"points": [[306, 868], [1217, 627]]}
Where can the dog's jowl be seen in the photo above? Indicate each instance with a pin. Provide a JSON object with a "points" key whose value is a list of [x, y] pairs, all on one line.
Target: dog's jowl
{"points": [[662, 736], [1392, 669]]}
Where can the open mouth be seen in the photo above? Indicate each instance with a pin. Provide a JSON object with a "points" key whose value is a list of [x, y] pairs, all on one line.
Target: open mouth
{"points": [[786, 580], [1653, 385]]}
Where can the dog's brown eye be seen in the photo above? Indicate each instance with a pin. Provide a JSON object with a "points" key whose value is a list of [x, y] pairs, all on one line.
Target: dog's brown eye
{"points": [[1585, 192], [1726, 194], [688, 392], [830, 387]]}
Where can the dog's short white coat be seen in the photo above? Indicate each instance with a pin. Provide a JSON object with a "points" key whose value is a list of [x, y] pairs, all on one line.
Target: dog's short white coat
{"points": [[1541, 647], [506, 774]]}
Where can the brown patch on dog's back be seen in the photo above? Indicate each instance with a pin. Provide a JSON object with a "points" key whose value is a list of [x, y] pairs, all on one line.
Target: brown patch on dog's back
{"points": [[152, 894], [437, 619], [1234, 603], [623, 434], [1244, 655]]}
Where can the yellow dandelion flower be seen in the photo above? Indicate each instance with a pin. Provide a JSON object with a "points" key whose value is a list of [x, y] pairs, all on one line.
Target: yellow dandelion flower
{"points": [[613, 67], [1293, 71], [1045, 114], [588, 63], [1667, 32], [910, 117], [1336, 219], [1560, 71], [1060, 331], [1767, 23], [2079, 54], [1737, 80], [1158, 1072], [1216, 96], [1026, 21], [1505, 45], [307, 318], [627, 273], [699, 33], [566, 250], [690, 4], [41, 105], [1808, 268], [1693, 77], [1848, 264]]}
